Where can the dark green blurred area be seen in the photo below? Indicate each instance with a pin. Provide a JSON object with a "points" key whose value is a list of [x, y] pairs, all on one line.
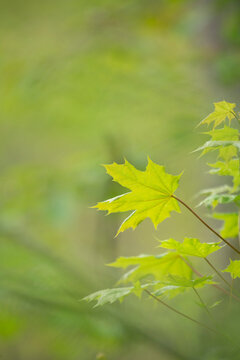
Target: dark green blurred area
{"points": [[85, 83]]}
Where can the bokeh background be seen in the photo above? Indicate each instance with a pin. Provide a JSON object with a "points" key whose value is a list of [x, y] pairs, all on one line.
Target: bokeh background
{"points": [[85, 83]]}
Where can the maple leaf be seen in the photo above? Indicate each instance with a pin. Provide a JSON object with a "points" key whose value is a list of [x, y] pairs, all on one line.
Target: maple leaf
{"points": [[175, 285], [223, 109], [224, 134], [158, 266], [229, 168], [150, 196], [217, 195], [109, 295], [230, 228], [233, 268], [191, 247]]}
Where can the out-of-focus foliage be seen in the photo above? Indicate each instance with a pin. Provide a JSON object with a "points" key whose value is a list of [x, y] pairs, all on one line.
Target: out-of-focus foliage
{"points": [[84, 83]]}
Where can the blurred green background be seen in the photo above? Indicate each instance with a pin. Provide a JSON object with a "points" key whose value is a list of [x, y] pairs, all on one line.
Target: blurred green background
{"points": [[85, 83]]}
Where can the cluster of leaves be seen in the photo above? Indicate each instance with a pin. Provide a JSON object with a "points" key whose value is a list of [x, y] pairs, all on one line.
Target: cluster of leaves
{"points": [[152, 195]]}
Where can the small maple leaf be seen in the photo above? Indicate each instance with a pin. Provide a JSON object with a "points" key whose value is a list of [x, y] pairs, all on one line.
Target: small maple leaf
{"points": [[150, 196], [191, 247], [222, 110]]}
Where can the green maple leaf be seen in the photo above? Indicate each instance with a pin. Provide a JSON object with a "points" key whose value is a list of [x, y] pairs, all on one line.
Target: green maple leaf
{"points": [[218, 195], [229, 168], [169, 291], [158, 267], [230, 228], [191, 247], [224, 134], [175, 285], [109, 295], [150, 196], [188, 283], [233, 268], [105, 296], [223, 110], [215, 145]]}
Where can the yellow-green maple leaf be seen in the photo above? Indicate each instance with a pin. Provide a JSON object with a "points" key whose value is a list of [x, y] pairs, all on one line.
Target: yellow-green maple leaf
{"points": [[229, 168], [233, 268], [230, 228], [223, 109], [158, 266], [150, 196], [224, 134], [191, 247]]}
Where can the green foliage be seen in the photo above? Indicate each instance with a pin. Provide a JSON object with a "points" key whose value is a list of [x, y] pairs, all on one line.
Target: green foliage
{"points": [[188, 283], [233, 268], [173, 285], [150, 196], [217, 196], [218, 145], [157, 267], [191, 247], [230, 228], [229, 168], [111, 295], [222, 111], [224, 134]]}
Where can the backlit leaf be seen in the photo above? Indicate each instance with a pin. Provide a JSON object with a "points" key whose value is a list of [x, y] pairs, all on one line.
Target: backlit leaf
{"points": [[230, 228], [233, 268], [174, 285], [214, 199], [223, 110], [188, 283], [228, 168], [214, 145], [150, 196], [225, 134], [191, 247], [170, 291], [109, 295], [217, 195], [158, 267]]}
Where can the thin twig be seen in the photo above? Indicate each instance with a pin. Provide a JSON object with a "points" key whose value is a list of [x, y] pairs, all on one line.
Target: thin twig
{"points": [[208, 226], [202, 302], [179, 312], [214, 285], [217, 272], [236, 116]]}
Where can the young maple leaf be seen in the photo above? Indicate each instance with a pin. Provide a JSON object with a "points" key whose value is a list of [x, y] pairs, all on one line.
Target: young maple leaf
{"points": [[150, 196], [222, 110], [233, 268]]}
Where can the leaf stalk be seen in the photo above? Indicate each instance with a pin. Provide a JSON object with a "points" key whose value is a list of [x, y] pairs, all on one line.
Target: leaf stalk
{"points": [[208, 226], [179, 312]]}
